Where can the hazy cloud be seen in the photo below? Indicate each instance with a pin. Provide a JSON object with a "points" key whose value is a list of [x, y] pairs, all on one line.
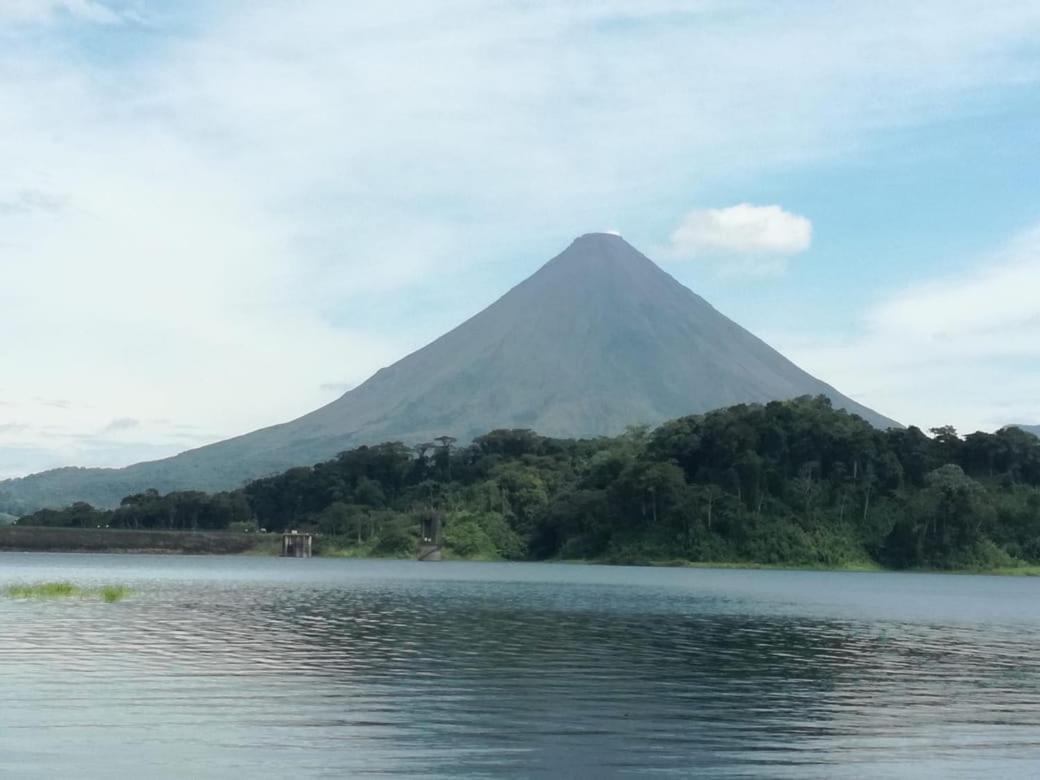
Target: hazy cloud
{"points": [[992, 308], [14, 459], [942, 350], [54, 403], [338, 387], [122, 424], [26, 448], [29, 201], [37, 11]]}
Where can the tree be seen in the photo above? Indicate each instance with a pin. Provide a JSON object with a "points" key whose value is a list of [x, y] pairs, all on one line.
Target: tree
{"points": [[446, 442], [945, 524]]}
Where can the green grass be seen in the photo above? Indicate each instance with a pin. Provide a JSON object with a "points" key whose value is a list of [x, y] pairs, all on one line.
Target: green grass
{"points": [[44, 590], [859, 566], [266, 545], [681, 563], [110, 594], [326, 549], [58, 590], [1013, 571]]}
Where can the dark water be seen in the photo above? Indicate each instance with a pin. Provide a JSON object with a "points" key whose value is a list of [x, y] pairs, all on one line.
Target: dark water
{"points": [[257, 667]]}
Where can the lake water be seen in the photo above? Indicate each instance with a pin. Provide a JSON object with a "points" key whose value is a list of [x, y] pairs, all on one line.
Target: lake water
{"points": [[267, 667]]}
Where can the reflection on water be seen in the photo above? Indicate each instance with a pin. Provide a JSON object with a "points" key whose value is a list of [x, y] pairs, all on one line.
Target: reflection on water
{"points": [[229, 667]]}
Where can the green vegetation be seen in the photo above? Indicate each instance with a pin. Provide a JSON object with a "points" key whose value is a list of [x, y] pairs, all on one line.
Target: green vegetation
{"points": [[182, 511], [113, 593], [56, 590], [46, 590], [795, 483]]}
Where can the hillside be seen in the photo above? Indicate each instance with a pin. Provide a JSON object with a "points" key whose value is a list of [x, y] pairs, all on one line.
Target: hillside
{"points": [[784, 483]]}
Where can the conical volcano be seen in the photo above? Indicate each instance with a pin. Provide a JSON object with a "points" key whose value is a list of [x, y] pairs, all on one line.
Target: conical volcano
{"points": [[598, 339]]}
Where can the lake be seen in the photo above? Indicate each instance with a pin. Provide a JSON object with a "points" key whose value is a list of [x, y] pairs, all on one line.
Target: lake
{"points": [[268, 667]]}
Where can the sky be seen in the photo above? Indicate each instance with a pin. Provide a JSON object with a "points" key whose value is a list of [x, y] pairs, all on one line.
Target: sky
{"points": [[216, 216]]}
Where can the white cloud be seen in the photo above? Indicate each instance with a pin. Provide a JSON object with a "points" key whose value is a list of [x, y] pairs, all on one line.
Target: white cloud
{"points": [[961, 349], [743, 229], [744, 239]]}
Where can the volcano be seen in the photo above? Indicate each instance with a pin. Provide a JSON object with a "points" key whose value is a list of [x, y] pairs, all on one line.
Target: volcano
{"points": [[598, 339]]}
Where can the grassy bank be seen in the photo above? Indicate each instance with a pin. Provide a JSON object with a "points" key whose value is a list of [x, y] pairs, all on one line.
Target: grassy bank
{"points": [[1024, 570], [869, 566], [862, 566], [1009, 571], [336, 547], [38, 539]]}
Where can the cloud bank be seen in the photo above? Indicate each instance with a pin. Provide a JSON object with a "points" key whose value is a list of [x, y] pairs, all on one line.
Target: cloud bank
{"points": [[237, 201], [963, 348]]}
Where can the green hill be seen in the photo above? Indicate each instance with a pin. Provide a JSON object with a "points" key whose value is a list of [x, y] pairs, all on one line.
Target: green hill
{"points": [[787, 483]]}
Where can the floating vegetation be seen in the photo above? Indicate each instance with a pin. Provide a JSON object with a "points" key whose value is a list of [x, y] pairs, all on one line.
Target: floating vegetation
{"points": [[45, 590], [58, 590], [114, 593]]}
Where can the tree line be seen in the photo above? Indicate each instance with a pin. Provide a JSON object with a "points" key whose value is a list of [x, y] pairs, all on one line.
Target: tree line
{"points": [[794, 482]]}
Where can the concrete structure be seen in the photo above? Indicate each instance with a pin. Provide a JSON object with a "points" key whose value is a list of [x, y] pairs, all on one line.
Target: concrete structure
{"points": [[430, 537], [297, 545]]}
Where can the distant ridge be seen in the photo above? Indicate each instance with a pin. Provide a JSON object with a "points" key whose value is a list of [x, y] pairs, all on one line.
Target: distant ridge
{"points": [[598, 339], [1033, 429]]}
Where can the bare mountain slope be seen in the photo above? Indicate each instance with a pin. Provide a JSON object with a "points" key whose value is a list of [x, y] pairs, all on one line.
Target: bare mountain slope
{"points": [[598, 339]]}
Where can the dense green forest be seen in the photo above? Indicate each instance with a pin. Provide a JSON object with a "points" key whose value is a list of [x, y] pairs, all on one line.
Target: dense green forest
{"points": [[794, 483]]}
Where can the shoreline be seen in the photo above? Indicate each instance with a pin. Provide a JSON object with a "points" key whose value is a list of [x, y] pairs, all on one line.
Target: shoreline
{"points": [[37, 539], [1026, 570]]}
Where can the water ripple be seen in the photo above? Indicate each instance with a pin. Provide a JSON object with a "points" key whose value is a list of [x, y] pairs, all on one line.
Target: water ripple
{"points": [[269, 668]]}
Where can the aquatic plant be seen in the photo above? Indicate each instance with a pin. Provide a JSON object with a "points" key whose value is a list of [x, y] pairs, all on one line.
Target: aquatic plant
{"points": [[53, 590], [43, 590], [113, 593]]}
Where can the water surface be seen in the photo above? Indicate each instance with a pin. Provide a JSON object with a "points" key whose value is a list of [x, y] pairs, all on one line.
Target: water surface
{"points": [[266, 667]]}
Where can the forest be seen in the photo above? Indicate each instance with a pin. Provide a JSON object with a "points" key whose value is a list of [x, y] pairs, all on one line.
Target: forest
{"points": [[786, 483]]}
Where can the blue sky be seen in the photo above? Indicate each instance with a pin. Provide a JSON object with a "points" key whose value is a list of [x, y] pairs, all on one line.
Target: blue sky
{"points": [[216, 216]]}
